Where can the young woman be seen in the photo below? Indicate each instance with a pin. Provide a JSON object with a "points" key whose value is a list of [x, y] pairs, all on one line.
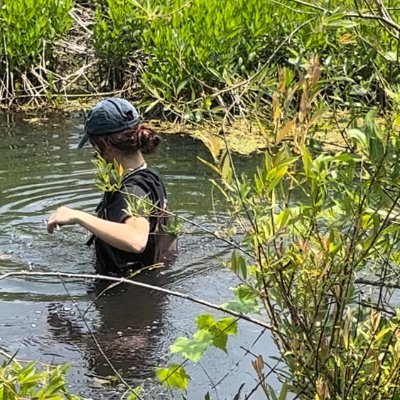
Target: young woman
{"points": [[122, 241]]}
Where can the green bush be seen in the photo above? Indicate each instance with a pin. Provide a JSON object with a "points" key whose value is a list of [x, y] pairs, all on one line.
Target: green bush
{"points": [[28, 30], [318, 245], [33, 382], [194, 52]]}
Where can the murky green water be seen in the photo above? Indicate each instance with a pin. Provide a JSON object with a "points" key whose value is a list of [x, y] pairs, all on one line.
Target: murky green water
{"points": [[41, 318]]}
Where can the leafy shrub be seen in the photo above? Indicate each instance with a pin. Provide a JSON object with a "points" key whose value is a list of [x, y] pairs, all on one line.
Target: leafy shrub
{"points": [[28, 31], [30, 381], [197, 52], [319, 249]]}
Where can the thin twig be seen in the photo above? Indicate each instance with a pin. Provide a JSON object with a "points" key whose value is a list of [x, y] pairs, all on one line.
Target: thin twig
{"points": [[369, 282], [61, 275], [108, 361]]}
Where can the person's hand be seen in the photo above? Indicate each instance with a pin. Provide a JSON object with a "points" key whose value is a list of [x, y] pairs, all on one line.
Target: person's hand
{"points": [[63, 216]]}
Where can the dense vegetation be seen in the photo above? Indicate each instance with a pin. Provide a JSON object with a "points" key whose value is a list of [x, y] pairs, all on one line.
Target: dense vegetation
{"points": [[197, 57], [316, 225], [317, 255]]}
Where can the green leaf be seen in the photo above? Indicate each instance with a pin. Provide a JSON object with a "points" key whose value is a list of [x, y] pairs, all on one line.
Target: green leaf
{"points": [[238, 265], [181, 86], [192, 349], [391, 56], [223, 328], [173, 376], [205, 321], [246, 301], [307, 161], [357, 136], [227, 325], [284, 391]]}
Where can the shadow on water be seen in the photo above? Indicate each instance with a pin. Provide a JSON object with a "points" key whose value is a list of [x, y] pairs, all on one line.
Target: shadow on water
{"points": [[41, 169]]}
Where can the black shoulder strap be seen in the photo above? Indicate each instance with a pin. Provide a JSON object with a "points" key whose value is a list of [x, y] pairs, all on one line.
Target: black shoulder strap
{"points": [[149, 180]]}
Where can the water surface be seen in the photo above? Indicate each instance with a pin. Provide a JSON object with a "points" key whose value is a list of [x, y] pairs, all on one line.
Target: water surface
{"points": [[57, 321]]}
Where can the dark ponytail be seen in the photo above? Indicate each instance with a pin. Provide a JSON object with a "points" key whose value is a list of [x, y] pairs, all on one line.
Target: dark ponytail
{"points": [[147, 139], [141, 137]]}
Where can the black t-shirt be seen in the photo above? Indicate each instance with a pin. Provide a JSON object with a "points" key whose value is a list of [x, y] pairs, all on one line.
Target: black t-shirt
{"points": [[144, 184]]}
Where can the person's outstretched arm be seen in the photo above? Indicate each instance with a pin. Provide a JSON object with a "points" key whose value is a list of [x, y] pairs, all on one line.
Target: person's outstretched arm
{"points": [[130, 235]]}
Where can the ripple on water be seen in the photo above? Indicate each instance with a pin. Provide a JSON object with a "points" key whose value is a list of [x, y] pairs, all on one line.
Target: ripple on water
{"points": [[134, 326]]}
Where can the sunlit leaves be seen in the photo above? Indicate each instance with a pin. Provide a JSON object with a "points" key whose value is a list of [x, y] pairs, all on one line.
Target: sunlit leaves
{"points": [[246, 300], [108, 175], [30, 381], [173, 376], [210, 332], [238, 265], [220, 330], [192, 349], [29, 30]]}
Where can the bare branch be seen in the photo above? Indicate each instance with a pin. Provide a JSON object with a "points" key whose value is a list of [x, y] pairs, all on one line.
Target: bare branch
{"points": [[61, 275]]}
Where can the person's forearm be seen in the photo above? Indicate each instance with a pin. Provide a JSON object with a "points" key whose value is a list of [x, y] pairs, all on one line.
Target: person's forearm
{"points": [[123, 236]]}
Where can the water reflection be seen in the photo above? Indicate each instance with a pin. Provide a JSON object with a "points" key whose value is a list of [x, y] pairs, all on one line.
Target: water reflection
{"points": [[124, 324]]}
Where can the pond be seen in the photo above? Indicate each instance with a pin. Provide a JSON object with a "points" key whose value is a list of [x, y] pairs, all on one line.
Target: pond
{"points": [[56, 321]]}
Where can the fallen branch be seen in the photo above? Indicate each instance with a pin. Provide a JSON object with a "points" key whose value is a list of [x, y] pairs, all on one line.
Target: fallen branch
{"points": [[362, 281], [139, 284]]}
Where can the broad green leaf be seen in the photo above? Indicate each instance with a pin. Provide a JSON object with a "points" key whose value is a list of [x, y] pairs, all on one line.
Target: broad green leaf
{"points": [[205, 321], [246, 301], [173, 376], [192, 349]]}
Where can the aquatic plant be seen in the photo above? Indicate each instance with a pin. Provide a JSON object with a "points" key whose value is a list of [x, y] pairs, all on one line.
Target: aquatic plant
{"points": [[202, 57]]}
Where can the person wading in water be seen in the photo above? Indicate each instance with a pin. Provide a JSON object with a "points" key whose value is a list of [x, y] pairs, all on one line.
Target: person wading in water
{"points": [[123, 242]]}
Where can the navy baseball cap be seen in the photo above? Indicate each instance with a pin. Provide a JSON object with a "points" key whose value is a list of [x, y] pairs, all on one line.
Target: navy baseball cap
{"points": [[109, 116]]}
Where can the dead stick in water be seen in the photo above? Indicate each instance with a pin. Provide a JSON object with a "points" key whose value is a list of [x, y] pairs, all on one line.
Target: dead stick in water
{"points": [[135, 283]]}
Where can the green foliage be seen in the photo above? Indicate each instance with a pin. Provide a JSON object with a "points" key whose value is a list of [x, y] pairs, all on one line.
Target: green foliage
{"points": [[174, 376], [321, 236], [30, 381], [108, 175], [210, 332], [29, 29], [245, 302], [199, 56], [138, 207]]}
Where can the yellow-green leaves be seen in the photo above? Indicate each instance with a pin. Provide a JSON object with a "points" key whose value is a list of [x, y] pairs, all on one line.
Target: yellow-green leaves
{"points": [[137, 206], [219, 330], [33, 382], [192, 349], [173, 376], [245, 302], [210, 332], [109, 175], [238, 265]]}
